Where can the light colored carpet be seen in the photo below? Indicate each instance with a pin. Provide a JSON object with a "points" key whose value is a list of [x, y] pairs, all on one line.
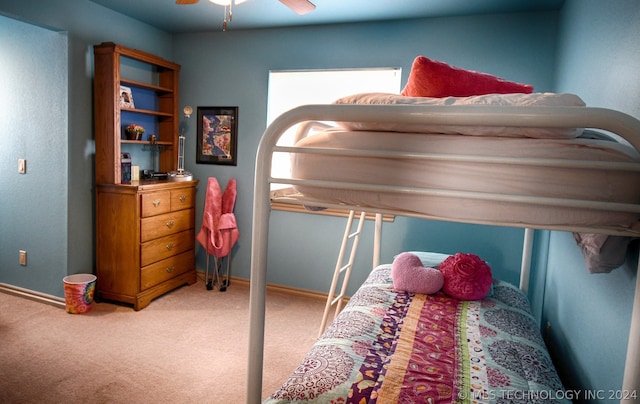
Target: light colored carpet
{"points": [[189, 346]]}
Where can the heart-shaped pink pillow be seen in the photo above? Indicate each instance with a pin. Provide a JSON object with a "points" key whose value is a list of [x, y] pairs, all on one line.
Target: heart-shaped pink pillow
{"points": [[408, 274]]}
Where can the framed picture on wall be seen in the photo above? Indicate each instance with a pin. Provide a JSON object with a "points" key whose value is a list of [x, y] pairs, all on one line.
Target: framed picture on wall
{"points": [[217, 141]]}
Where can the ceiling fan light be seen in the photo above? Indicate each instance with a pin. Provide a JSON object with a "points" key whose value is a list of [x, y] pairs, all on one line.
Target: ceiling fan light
{"points": [[226, 2]]}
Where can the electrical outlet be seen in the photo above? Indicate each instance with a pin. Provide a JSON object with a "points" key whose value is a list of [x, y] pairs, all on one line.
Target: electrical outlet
{"points": [[22, 166], [23, 257]]}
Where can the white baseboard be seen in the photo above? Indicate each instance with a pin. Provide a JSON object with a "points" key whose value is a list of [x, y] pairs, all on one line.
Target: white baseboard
{"points": [[277, 288], [60, 303], [33, 295]]}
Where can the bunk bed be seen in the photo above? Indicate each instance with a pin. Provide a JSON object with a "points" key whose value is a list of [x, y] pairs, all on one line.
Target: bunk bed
{"points": [[368, 135]]}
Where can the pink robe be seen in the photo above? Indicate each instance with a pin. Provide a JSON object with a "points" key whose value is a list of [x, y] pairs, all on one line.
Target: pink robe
{"points": [[219, 231]]}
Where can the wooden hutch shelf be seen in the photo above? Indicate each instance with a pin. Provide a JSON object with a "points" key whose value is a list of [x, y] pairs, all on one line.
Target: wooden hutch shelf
{"points": [[145, 234]]}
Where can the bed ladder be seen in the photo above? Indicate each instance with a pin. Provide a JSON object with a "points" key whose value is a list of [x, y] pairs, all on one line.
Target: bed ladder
{"points": [[334, 299]]}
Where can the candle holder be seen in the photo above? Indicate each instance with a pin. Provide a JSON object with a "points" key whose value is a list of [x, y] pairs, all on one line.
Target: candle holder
{"points": [[180, 174]]}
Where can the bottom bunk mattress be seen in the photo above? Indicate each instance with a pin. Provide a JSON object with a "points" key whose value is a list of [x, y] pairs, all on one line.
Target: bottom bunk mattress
{"points": [[390, 346]]}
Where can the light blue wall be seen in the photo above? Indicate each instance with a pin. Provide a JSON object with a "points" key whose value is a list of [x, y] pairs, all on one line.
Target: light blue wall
{"points": [[49, 211], [33, 124], [231, 69], [599, 59]]}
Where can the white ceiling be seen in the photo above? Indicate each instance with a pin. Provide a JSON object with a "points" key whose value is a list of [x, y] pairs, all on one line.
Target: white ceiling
{"points": [[206, 16]]}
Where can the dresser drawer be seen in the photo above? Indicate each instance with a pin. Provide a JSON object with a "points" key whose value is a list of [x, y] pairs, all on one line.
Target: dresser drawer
{"points": [[163, 225], [165, 247], [156, 203], [161, 271], [182, 198]]}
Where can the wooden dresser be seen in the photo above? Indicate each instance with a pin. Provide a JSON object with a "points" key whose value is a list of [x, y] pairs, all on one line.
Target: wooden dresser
{"points": [[144, 229], [145, 235]]}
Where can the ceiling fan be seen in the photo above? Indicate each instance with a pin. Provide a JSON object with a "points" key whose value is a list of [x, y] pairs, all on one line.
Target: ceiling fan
{"points": [[298, 6]]}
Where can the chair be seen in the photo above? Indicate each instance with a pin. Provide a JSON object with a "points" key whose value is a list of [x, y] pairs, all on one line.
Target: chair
{"points": [[219, 231]]}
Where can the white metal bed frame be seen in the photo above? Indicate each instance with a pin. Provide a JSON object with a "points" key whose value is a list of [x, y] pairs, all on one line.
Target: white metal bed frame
{"points": [[571, 117]]}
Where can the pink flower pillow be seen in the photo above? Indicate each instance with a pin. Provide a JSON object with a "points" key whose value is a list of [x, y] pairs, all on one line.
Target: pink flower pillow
{"points": [[431, 78], [410, 275], [466, 276]]}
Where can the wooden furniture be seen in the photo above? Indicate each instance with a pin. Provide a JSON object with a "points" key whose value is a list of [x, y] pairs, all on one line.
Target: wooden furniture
{"points": [[145, 240], [155, 92], [144, 229]]}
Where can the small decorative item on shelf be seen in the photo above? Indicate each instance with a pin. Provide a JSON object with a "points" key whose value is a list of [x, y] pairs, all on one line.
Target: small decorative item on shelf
{"points": [[134, 132]]}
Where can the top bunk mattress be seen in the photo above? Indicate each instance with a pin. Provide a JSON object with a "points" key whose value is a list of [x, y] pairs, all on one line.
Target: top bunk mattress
{"points": [[478, 179]]}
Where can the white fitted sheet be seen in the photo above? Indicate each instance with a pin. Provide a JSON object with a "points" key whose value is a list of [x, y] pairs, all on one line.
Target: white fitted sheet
{"points": [[541, 181]]}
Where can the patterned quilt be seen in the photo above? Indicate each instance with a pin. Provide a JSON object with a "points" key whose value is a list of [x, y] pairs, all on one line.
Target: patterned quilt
{"points": [[389, 346]]}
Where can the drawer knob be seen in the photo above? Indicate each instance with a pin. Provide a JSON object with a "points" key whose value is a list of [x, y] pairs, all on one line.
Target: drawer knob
{"points": [[170, 246], [156, 202], [170, 268], [170, 223], [183, 198]]}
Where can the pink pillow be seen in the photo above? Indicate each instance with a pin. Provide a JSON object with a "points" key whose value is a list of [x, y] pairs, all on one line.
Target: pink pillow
{"points": [[466, 276], [430, 78], [410, 275]]}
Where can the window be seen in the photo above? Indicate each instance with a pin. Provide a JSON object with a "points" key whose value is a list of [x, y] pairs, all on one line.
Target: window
{"points": [[292, 88]]}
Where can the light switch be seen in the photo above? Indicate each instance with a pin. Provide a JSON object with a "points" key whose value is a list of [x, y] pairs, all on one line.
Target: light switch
{"points": [[22, 166]]}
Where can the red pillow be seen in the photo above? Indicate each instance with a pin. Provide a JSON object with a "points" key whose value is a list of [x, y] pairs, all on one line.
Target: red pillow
{"points": [[466, 276], [430, 78]]}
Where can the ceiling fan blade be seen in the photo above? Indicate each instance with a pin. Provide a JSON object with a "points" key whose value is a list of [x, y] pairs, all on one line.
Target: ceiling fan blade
{"points": [[299, 6], [187, 1]]}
